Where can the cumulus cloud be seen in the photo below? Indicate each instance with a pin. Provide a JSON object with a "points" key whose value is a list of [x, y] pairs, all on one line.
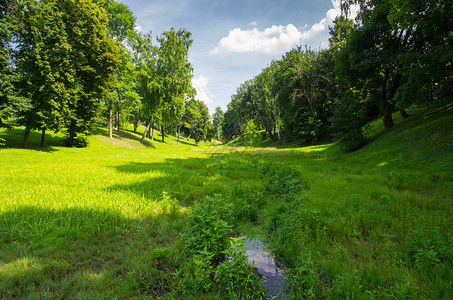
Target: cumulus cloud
{"points": [[279, 38], [138, 28], [253, 23], [201, 85]]}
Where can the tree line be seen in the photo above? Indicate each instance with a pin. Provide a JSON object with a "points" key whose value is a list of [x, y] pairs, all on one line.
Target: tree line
{"points": [[71, 65], [394, 55]]}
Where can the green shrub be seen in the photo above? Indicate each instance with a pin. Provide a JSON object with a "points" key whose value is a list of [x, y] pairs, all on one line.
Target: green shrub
{"points": [[427, 247], [282, 181], [247, 204], [80, 140], [237, 277], [209, 227]]}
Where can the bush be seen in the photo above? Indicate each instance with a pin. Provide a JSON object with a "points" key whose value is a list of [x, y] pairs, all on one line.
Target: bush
{"points": [[209, 227], [236, 277], [80, 140], [348, 121]]}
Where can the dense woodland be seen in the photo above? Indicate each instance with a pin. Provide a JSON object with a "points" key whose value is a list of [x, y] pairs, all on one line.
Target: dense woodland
{"points": [[71, 65], [395, 54]]}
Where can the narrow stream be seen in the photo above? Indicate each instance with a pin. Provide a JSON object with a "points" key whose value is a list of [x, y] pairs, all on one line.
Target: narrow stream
{"points": [[267, 267]]}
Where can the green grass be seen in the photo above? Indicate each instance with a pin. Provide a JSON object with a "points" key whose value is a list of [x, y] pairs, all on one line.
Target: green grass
{"points": [[102, 221]]}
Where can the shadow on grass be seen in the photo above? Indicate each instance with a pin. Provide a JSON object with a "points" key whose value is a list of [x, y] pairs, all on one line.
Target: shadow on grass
{"points": [[182, 141], [187, 180], [85, 253], [14, 138]]}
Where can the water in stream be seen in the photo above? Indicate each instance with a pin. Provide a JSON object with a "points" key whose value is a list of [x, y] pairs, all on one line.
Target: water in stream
{"points": [[267, 267]]}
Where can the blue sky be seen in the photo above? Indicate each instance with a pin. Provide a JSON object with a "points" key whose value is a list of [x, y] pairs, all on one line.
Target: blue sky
{"points": [[233, 40]]}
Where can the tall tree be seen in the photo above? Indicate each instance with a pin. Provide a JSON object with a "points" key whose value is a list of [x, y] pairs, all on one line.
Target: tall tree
{"points": [[166, 77], [173, 62], [66, 61], [10, 103], [121, 27], [402, 46], [217, 120]]}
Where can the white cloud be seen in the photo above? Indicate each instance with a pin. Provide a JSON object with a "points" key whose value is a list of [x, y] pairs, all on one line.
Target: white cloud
{"points": [[201, 85], [138, 28], [270, 40], [253, 23], [279, 38]]}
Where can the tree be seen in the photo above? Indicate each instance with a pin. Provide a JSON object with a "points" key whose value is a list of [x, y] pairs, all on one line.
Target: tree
{"points": [[121, 28], [10, 104], [267, 93], [177, 74], [66, 63], [165, 78], [403, 47], [200, 123], [217, 120]]}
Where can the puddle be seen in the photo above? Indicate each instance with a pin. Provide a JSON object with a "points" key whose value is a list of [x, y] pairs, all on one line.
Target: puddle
{"points": [[267, 267]]}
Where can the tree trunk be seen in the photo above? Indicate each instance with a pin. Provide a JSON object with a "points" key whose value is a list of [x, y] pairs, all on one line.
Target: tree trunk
{"points": [[146, 131], [403, 113], [388, 121], [163, 133], [270, 133], [179, 131], [72, 131], [43, 135], [218, 133], [117, 116], [26, 137], [110, 120], [280, 141]]}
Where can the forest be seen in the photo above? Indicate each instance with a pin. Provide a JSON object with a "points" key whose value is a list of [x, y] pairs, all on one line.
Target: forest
{"points": [[116, 182]]}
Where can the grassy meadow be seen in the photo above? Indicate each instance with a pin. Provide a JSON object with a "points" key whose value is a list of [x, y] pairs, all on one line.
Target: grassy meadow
{"points": [[113, 220]]}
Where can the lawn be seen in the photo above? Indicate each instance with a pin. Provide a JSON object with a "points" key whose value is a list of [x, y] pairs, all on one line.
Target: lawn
{"points": [[113, 219]]}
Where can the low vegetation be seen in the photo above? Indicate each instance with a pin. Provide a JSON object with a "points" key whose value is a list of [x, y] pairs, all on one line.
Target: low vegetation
{"points": [[122, 219]]}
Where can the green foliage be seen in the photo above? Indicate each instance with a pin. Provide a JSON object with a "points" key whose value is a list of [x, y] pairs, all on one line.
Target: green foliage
{"points": [[236, 277], [247, 204], [217, 121], [197, 124], [348, 121], [209, 227], [301, 280], [197, 274], [66, 68], [292, 226], [282, 181], [170, 206], [428, 246], [252, 135], [79, 141]]}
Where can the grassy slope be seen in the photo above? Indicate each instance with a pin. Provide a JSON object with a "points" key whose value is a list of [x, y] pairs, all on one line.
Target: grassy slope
{"points": [[94, 222]]}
